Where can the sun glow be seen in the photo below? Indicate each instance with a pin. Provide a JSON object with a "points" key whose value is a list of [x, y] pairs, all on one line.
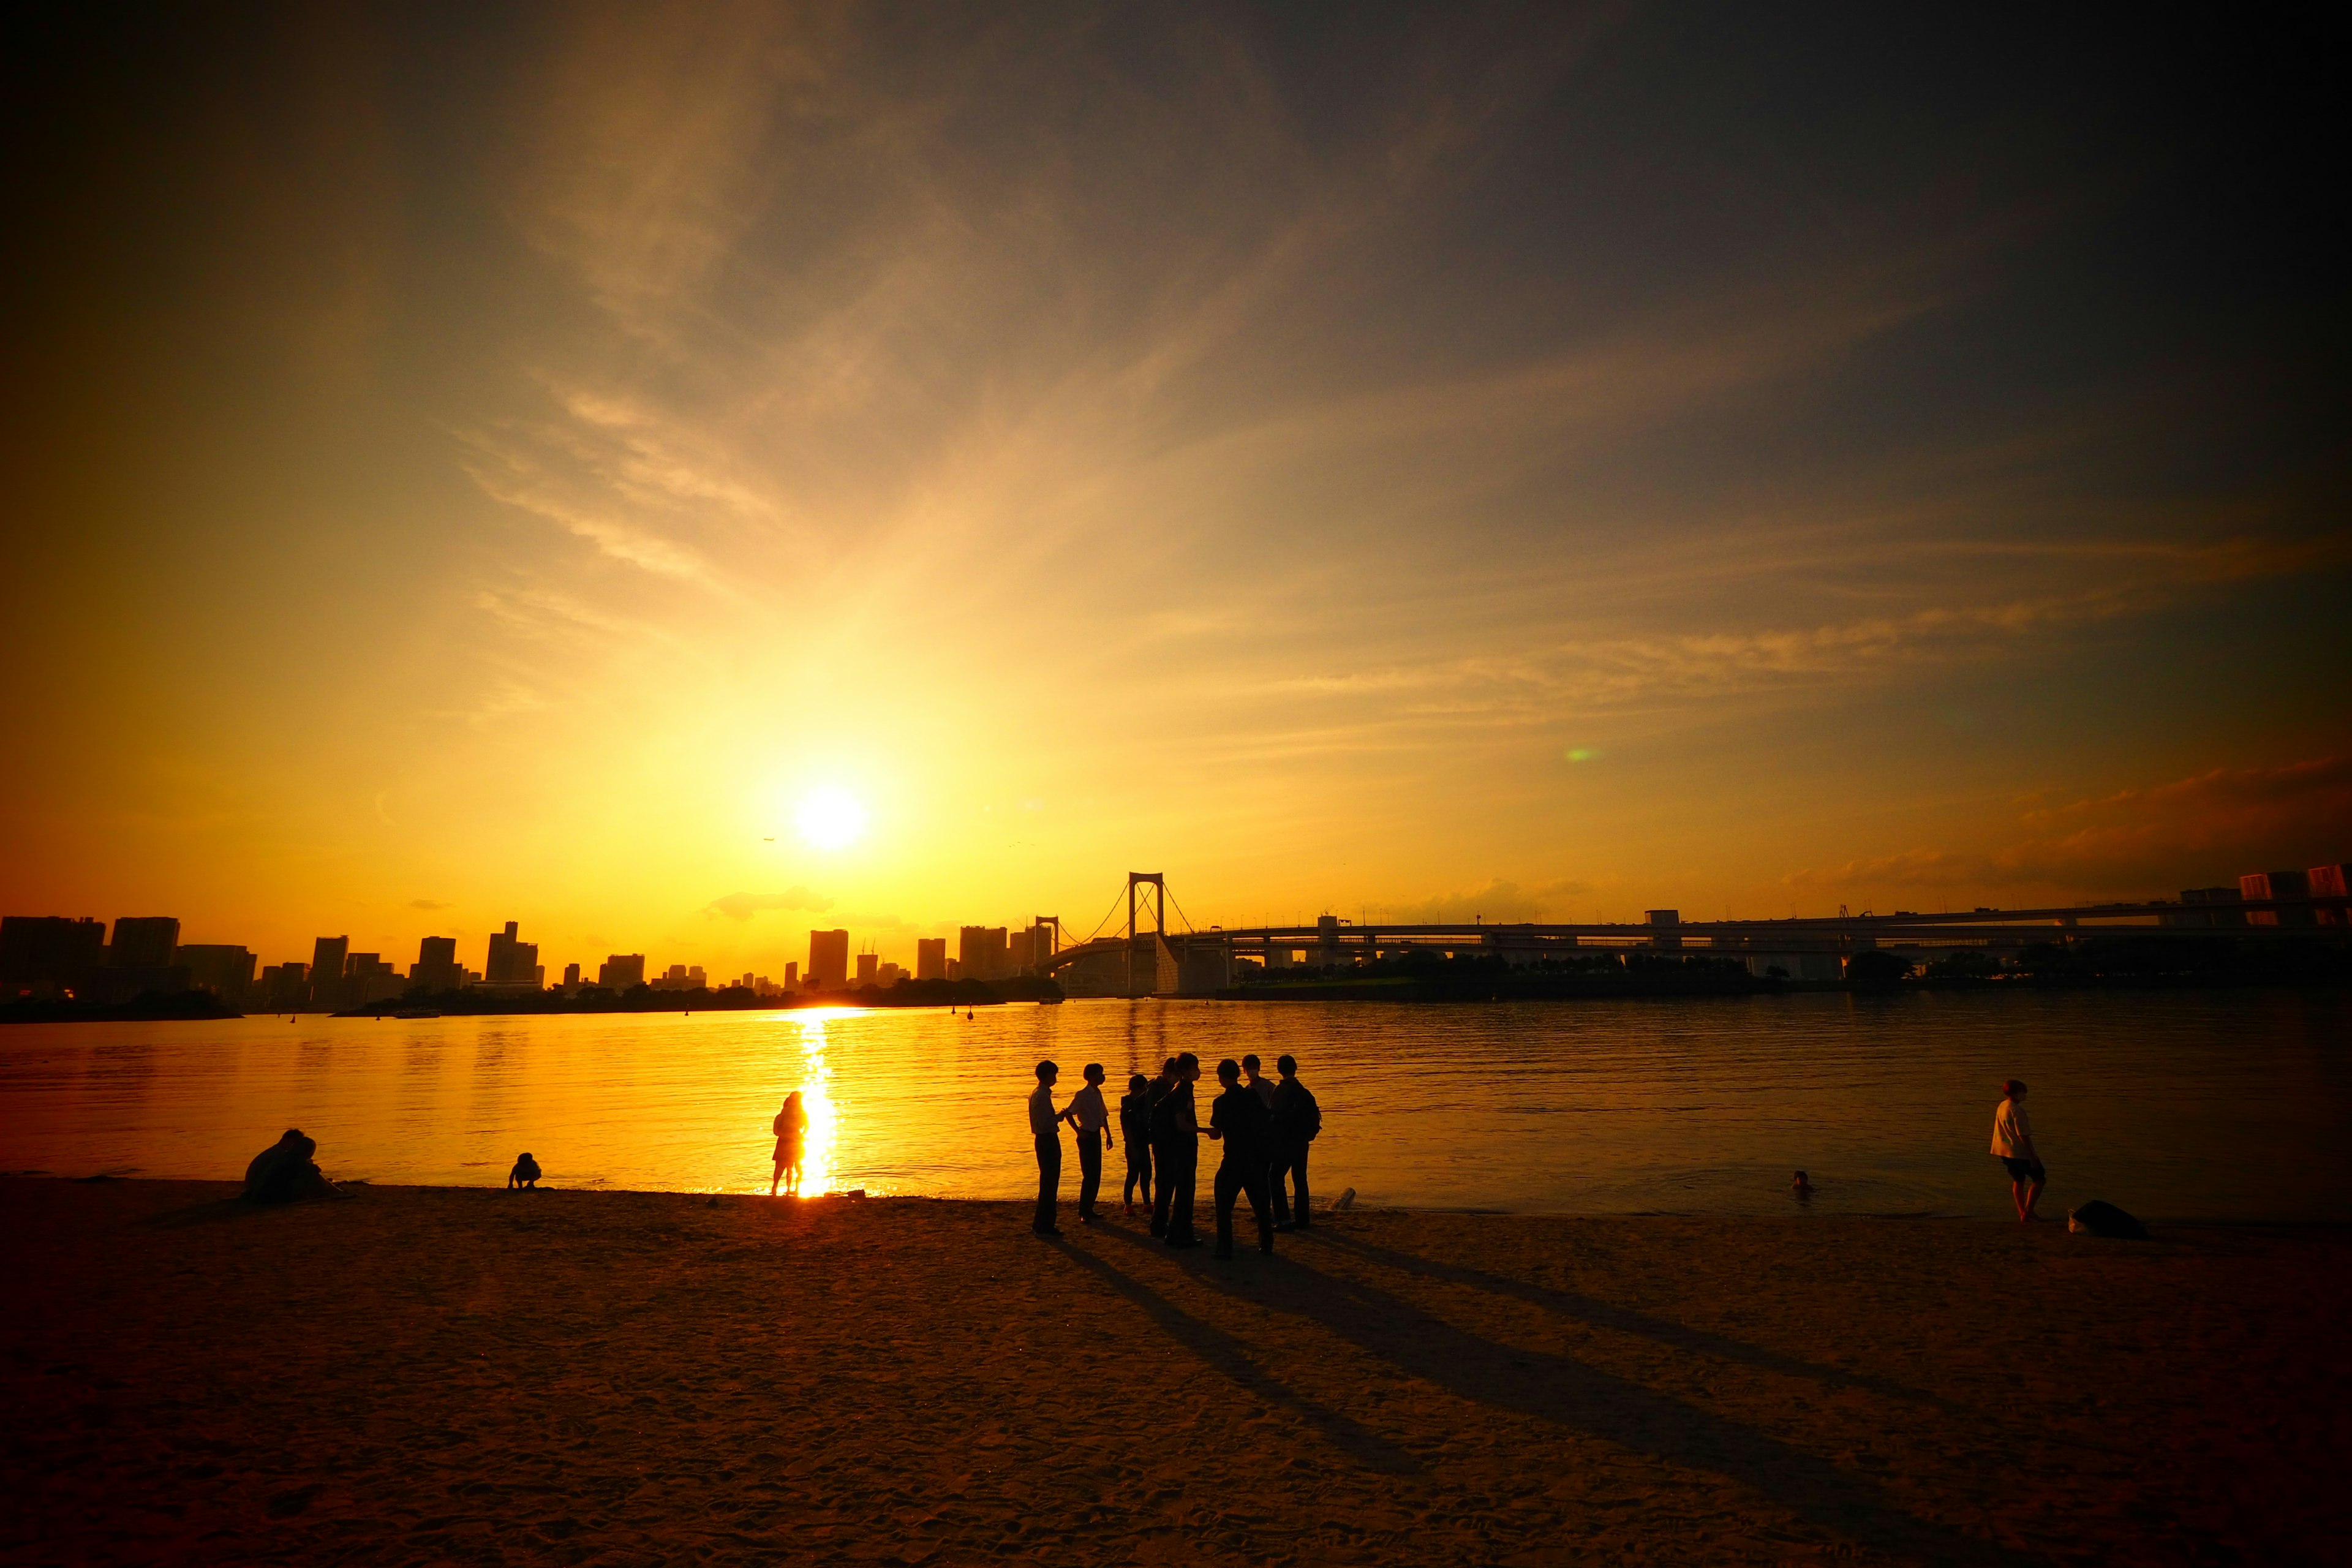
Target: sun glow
{"points": [[829, 817]]}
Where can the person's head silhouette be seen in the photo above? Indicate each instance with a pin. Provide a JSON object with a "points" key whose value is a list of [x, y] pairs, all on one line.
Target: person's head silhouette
{"points": [[1287, 1066], [1188, 1067], [1229, 1072], [1094, 1073], [1137, 1084], [1047, 1072]]}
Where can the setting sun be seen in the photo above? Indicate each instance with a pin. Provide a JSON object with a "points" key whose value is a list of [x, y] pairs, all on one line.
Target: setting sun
{"points": [[829, 819]]}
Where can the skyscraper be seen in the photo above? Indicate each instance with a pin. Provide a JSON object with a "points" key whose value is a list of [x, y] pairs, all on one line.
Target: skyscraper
{"points": [[43, 954], [620, 970], [868, 963], [143, 942], [226, 971], [513, 960], [436, 968], [828, 967], [328, 955], [980, 951], [930, 958]]}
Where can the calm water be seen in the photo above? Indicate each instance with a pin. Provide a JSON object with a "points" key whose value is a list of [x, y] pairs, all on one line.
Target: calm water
{"points": [[2210, 1105]]}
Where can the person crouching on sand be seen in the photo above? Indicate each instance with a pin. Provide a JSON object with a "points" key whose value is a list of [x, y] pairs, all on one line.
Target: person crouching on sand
{"points": [[525, 1173], [790, 1127], [2012, 1145]]}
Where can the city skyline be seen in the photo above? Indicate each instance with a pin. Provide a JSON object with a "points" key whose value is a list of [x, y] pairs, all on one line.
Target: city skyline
{"points": [[676, 479]]}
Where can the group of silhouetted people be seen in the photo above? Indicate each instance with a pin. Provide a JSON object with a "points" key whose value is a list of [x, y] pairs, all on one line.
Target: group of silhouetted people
{"points": [[1262, 1127]]}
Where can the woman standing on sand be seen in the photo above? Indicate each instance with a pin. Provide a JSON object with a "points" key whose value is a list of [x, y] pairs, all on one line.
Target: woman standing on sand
{"points": [[792, 1131]]}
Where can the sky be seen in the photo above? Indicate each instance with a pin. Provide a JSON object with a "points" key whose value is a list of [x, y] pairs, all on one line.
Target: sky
{"points": [[1404, 463]]}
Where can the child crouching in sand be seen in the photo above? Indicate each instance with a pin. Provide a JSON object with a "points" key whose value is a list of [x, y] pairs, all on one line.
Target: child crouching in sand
{"points": [[525, 1173]]}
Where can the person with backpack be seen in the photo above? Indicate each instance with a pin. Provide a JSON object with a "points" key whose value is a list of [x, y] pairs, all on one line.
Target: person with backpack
{"points": [[1296, 1121], [1240, 1121]]}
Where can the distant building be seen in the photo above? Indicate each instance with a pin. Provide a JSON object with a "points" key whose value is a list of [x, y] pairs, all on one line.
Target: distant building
{"points": [[890, 974], [436, 968], [2281, 887], [682, 977], [2205, 907], [620, 970], [143, 942], [980, 951], [514, 962], [1020, 952], [224, 971], [868, 964], [44, 955], [329, 956], [2329, 883], [828, 965], [571, 978], [286, 986], [1663, 918], [793, 976], [930, 958], [368, 978]]}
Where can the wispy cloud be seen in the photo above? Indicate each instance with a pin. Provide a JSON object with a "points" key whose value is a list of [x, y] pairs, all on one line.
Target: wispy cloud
{"points": [[743, 906]]}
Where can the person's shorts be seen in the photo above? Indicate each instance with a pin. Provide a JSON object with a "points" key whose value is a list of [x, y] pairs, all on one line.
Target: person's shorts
{"points": [[2023, 1170]]}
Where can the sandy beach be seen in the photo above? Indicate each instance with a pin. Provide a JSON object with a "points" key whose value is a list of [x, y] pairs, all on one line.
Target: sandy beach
{"points": [[477, 1376]]}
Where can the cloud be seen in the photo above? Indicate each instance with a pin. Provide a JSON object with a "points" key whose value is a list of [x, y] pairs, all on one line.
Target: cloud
{"points": [[2135, 842], [743, 906], [1499, 902], [428, 904]]}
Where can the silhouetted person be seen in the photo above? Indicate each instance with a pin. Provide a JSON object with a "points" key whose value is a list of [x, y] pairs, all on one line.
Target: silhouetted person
{"points": [[1176, 1152], [790, 1127], [2012, 1145], [1803, 1187], [1297, 1120], [1088, 1114], [1045, 1128], [1156, 1115], [284, 1173], [525, 1173], [1240, 1121], [1135, 1126]]}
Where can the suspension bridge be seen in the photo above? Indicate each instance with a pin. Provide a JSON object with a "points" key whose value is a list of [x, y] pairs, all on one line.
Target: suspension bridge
{"points": [[1147, 955]]}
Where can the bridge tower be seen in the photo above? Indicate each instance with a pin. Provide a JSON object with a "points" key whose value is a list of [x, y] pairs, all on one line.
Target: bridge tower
{"points": [[1149, 963], [1042, 946]]}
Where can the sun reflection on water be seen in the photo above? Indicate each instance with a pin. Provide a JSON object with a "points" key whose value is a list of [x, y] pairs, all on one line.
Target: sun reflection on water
{"points": [[816, 1098]]}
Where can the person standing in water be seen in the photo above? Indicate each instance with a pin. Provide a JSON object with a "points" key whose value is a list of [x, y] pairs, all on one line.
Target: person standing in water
{"points": [[1045, 1129], [791, 1128], [2012, 1145], [1239, 1121], [1091, 1117], [1135, 1126], [1176, 1154]]}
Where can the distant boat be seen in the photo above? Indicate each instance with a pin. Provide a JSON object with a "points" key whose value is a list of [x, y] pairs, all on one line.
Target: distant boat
{"points": [[417, 1013]]}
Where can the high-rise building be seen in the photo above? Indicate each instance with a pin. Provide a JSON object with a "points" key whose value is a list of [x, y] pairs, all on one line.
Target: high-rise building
{"points": [[622, 971], [930, 958], [286, 985], [42, 955], [226, 971], [2290, 888], [368, 978], [868, 963], [791, 977], [436, 968], [980, 951], [143, 942], [328, 957], [828, 966], [571, 978], [513, 960], [1020, 954]]}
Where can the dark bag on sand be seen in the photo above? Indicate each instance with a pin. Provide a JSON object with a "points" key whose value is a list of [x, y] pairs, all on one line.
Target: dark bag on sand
{"points": [[2102, 1218]]}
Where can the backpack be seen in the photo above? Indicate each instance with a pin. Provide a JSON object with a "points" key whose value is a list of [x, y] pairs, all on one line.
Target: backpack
{"points": [[1305, 1117]]}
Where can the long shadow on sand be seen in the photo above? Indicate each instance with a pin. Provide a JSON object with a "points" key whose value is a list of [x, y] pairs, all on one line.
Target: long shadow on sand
{"points": [[1623, 1320], [1566, 1393], [1233, 1358]]}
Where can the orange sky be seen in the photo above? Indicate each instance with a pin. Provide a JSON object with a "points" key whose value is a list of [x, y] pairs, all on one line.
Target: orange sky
{"points": [[1499, 463]]}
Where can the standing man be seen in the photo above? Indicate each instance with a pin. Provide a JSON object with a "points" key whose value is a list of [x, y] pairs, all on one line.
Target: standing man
{"points": [[1045, 1127], [1264, 1088], [1175, 1136], [1239, 1119], [2012, 1145], [1091, 1117], [1297, 1120], [1135, 1126]]}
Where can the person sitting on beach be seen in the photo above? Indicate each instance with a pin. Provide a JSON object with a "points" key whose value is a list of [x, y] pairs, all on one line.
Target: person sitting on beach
{"points": [[1803, 1186], [525, 1173], [791, 1128], [284, 1173], [1135, 1126], [2012, 1145]]}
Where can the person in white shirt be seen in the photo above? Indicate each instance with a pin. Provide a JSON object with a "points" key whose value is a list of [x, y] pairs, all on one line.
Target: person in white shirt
{"points": [[2012, 1145], [1045, 1127], [1091, 1117]]}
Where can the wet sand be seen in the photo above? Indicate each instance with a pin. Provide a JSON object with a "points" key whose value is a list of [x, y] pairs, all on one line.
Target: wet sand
{"points": [[476, 1376]]}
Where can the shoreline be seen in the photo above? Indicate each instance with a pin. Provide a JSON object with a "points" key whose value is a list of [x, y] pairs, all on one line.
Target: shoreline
{"points": [[456, 1373]]}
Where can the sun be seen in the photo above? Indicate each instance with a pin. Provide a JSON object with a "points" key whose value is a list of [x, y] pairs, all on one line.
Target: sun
{"points": [[829, 817]]}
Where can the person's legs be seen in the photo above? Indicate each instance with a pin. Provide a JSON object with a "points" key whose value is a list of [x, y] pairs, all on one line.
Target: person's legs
{"points": [[1161, 1195], [777, 1180], [1049, 1182], [1277, 1167], [1138, 1169], [2033, 1185], [1185, 1177], [1297, 1161], [1228, 1183], [1262, 1209], [1089, 1173]]}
